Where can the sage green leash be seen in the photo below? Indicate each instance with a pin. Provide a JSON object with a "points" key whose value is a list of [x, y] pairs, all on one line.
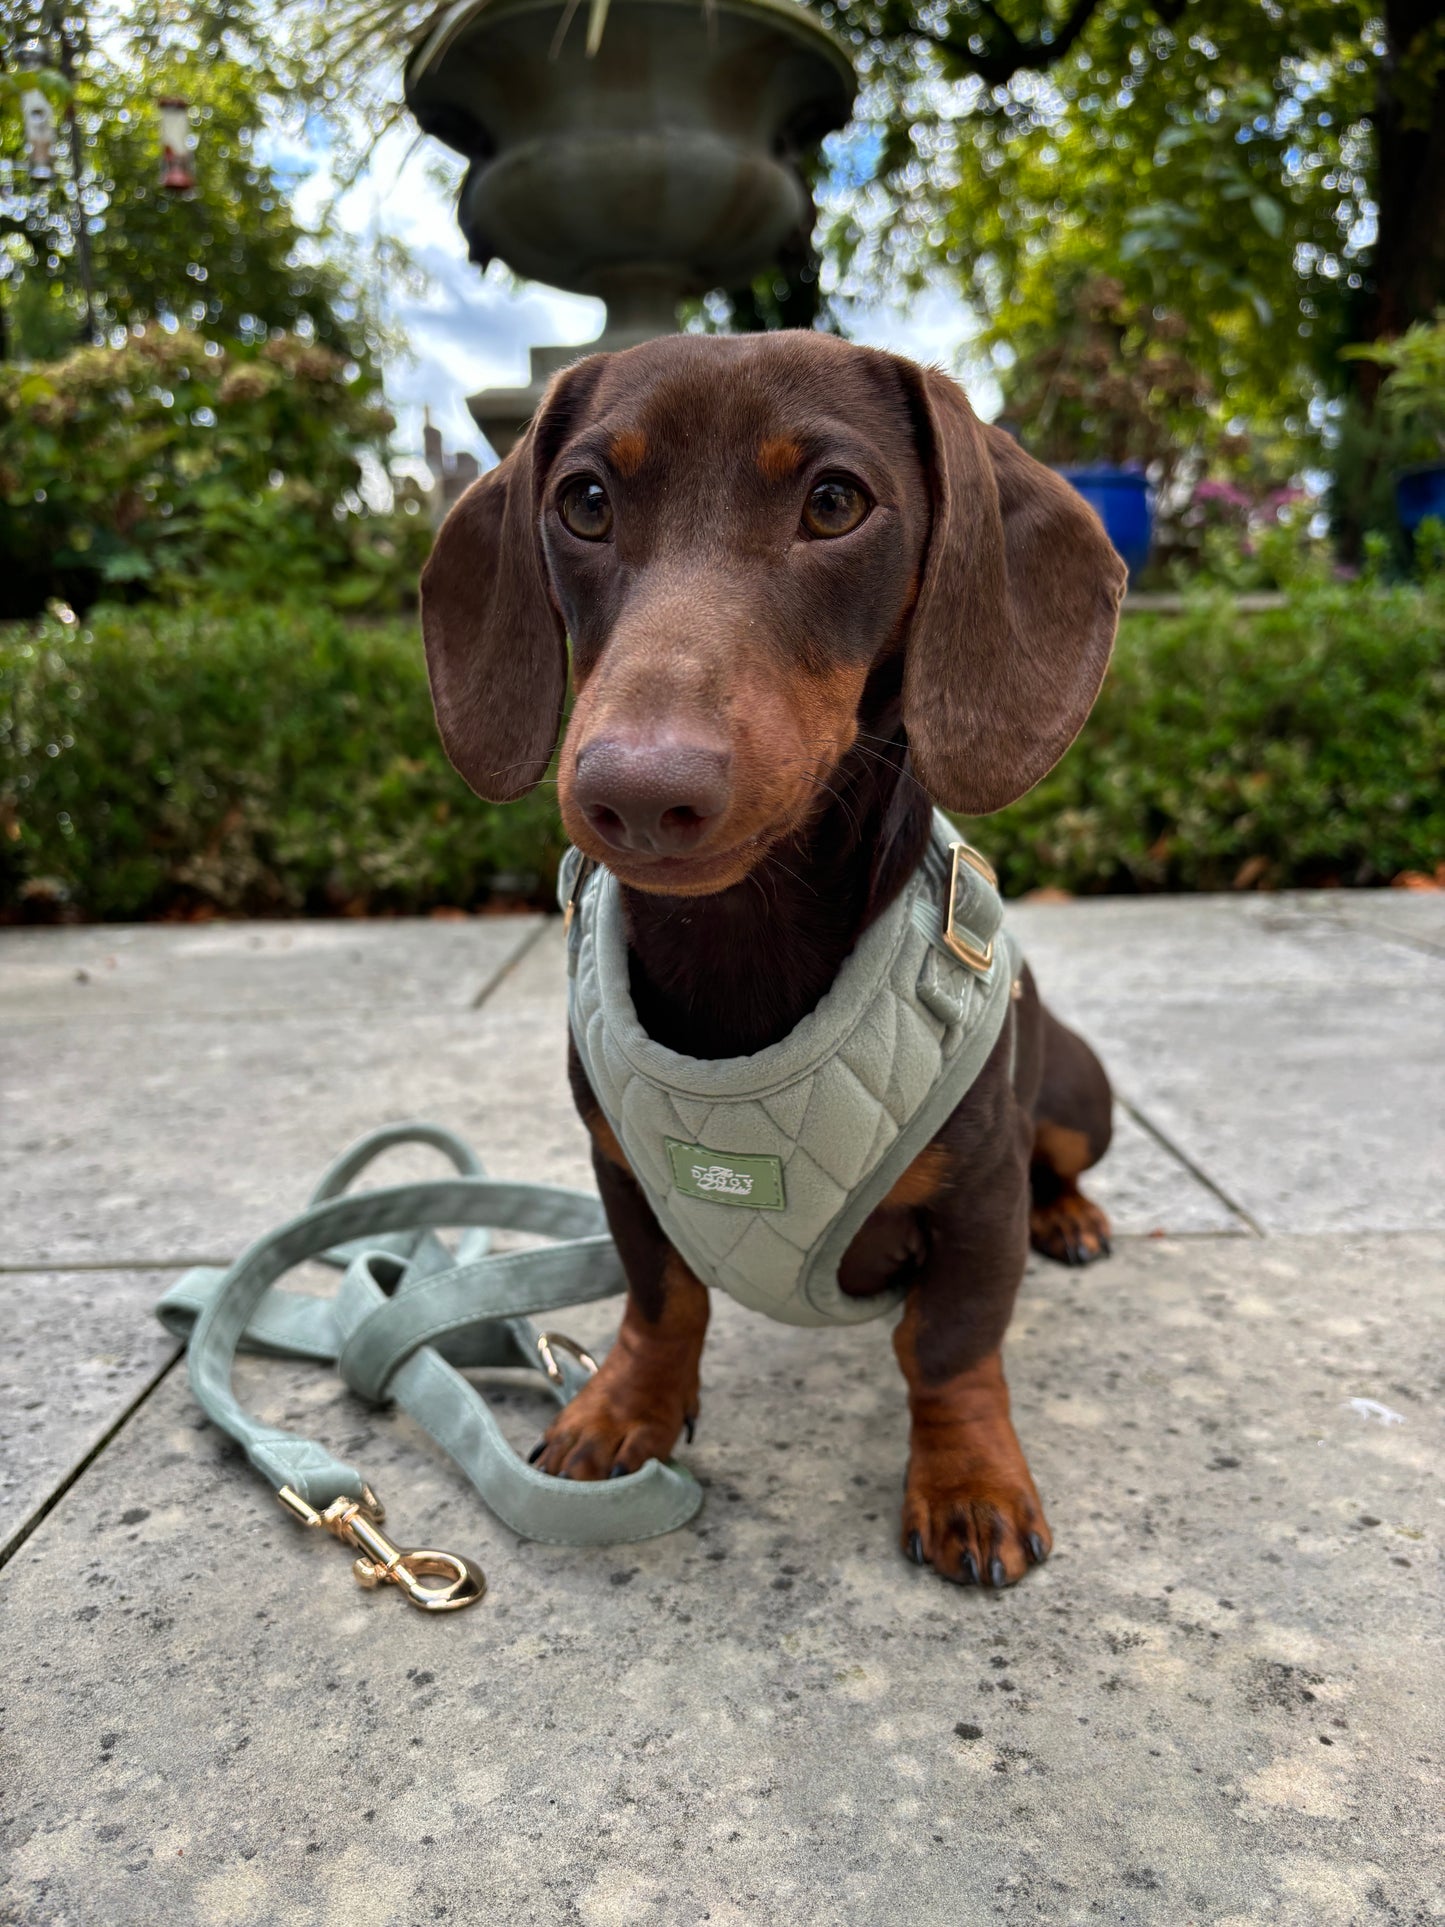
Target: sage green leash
{"points": [[407, 1314]]}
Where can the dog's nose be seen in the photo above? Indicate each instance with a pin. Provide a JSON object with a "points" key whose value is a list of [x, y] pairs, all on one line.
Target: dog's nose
{"points": [[652, 796]]}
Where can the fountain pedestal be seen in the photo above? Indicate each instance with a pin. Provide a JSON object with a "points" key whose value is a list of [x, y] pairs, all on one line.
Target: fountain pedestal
{"points": [[667, 164]]}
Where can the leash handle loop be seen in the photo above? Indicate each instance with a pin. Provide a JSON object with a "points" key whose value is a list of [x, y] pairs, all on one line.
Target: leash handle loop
{"points": [[408, 1313]]}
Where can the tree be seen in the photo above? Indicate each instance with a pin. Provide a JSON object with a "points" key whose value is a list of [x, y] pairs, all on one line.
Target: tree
{"points": [[229, 257], [1408, 117], [1274, 173]]}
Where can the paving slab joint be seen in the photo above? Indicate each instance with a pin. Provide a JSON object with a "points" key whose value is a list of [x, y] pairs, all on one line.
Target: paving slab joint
{"points": [[52, 1499], [504, 970], [1201, 1176], [1383, 932]]}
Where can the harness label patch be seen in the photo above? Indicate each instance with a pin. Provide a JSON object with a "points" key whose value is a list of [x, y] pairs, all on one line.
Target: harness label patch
{"points": [[726, 1177]]}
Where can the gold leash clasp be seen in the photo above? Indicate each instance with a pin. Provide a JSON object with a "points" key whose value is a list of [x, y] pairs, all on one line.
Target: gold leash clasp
{"points": [[357, 1523]]}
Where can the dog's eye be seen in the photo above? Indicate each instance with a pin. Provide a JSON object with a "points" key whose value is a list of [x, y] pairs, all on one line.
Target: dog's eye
{"points": [[584, 507], [835, 507]]}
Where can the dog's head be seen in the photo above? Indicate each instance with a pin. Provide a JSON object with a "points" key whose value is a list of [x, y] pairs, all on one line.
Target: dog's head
{"points": [[740, 536]]}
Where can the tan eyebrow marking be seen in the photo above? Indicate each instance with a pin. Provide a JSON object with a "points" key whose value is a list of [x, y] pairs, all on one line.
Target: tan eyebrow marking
{"points": [[778, 456], [628, 451]]}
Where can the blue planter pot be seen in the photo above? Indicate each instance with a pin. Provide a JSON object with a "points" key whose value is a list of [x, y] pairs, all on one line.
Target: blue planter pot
{"points": [[1420, 492], [1121, 498]]}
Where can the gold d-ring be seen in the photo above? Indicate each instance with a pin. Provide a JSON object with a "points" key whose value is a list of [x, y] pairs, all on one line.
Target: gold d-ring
{"points": [[357, 1524], [546, 1341]]}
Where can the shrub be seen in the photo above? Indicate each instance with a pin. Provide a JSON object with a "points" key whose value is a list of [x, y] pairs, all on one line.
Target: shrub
{"points": [[175, 465], [283, 762], [278, 762], [1412, 399], [1301, 747]]}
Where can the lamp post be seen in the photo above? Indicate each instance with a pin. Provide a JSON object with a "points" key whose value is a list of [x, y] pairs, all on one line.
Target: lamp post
{"points": [[663, 165]]}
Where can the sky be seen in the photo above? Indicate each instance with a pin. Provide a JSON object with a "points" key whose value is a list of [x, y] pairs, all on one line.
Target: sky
{"points": [[469, 331]]}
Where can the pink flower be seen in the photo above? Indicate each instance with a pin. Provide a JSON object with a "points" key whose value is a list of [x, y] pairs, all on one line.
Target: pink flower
{"points": [[1223, 492]]}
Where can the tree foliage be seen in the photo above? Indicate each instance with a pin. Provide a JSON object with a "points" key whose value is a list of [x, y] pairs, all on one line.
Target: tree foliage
{"points": [[1215, 156], [1412, 401], [211, 435], [230, 257], [347, 59]]}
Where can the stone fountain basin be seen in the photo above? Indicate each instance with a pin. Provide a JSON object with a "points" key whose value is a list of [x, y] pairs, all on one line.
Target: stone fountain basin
{"points": [[674, 147], [574, 211]]}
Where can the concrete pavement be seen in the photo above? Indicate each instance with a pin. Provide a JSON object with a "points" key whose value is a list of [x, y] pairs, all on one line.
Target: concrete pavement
{"points": [[1223, 1700]]}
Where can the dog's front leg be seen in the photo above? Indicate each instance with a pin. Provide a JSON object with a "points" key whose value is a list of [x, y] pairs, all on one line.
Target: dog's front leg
{"points": [[970, 1509], [647, 1388]]}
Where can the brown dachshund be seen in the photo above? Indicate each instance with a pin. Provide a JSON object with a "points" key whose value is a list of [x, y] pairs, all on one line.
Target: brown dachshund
{"points": [[807, 592]]}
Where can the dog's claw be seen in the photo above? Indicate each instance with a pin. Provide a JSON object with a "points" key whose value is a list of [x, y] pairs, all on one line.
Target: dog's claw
{"points": [[618, 1472], [687, 1426], [968, 1572], [536, 1452], [1036, 1548], [997, 1577], [915, 1548]]}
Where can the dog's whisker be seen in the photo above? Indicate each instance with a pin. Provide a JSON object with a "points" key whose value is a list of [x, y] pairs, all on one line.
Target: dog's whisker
{"points": [[826, 789], [778, 864]]}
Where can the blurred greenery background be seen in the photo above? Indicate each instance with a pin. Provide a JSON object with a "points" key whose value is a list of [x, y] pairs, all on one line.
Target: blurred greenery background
{"points": [[1201, 239]]}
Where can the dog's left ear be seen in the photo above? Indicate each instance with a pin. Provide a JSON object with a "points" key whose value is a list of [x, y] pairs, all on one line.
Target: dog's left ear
{"points": [[1016, 612]]}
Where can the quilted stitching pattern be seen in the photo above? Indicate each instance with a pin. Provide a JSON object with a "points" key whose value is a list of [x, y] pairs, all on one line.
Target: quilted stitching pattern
{"points": [[831, 1124]]}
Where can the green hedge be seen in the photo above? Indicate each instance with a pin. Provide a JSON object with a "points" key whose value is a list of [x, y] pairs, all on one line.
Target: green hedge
{"points": [[1300, 747], [283, 762], [278, 762]]}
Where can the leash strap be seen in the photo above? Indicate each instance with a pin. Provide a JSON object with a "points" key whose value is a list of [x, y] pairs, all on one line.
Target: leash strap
{"points": [[408, 1313]]}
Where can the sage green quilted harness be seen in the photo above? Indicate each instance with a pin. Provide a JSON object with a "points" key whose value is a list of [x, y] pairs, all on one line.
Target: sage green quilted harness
{"points": [[760, 1170]]}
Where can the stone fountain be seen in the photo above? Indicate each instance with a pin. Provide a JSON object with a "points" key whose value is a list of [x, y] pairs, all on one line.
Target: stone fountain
{"points": [[665, 164]]}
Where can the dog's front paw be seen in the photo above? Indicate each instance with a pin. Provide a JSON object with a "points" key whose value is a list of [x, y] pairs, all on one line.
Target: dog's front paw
{"points": [[1071, 1229], [973, 1514], [616, 1423]]}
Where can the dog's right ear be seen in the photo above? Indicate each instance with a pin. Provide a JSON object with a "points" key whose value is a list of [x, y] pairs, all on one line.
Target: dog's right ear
{"points": [[496, 650]]}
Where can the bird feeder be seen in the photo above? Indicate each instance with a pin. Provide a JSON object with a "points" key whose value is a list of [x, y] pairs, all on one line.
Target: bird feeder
{"points": [[177, 172], [39, 118]]}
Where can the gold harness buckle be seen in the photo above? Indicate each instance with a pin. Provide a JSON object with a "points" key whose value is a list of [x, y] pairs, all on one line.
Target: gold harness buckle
{"points": [[966, 951], [584, 870]]}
